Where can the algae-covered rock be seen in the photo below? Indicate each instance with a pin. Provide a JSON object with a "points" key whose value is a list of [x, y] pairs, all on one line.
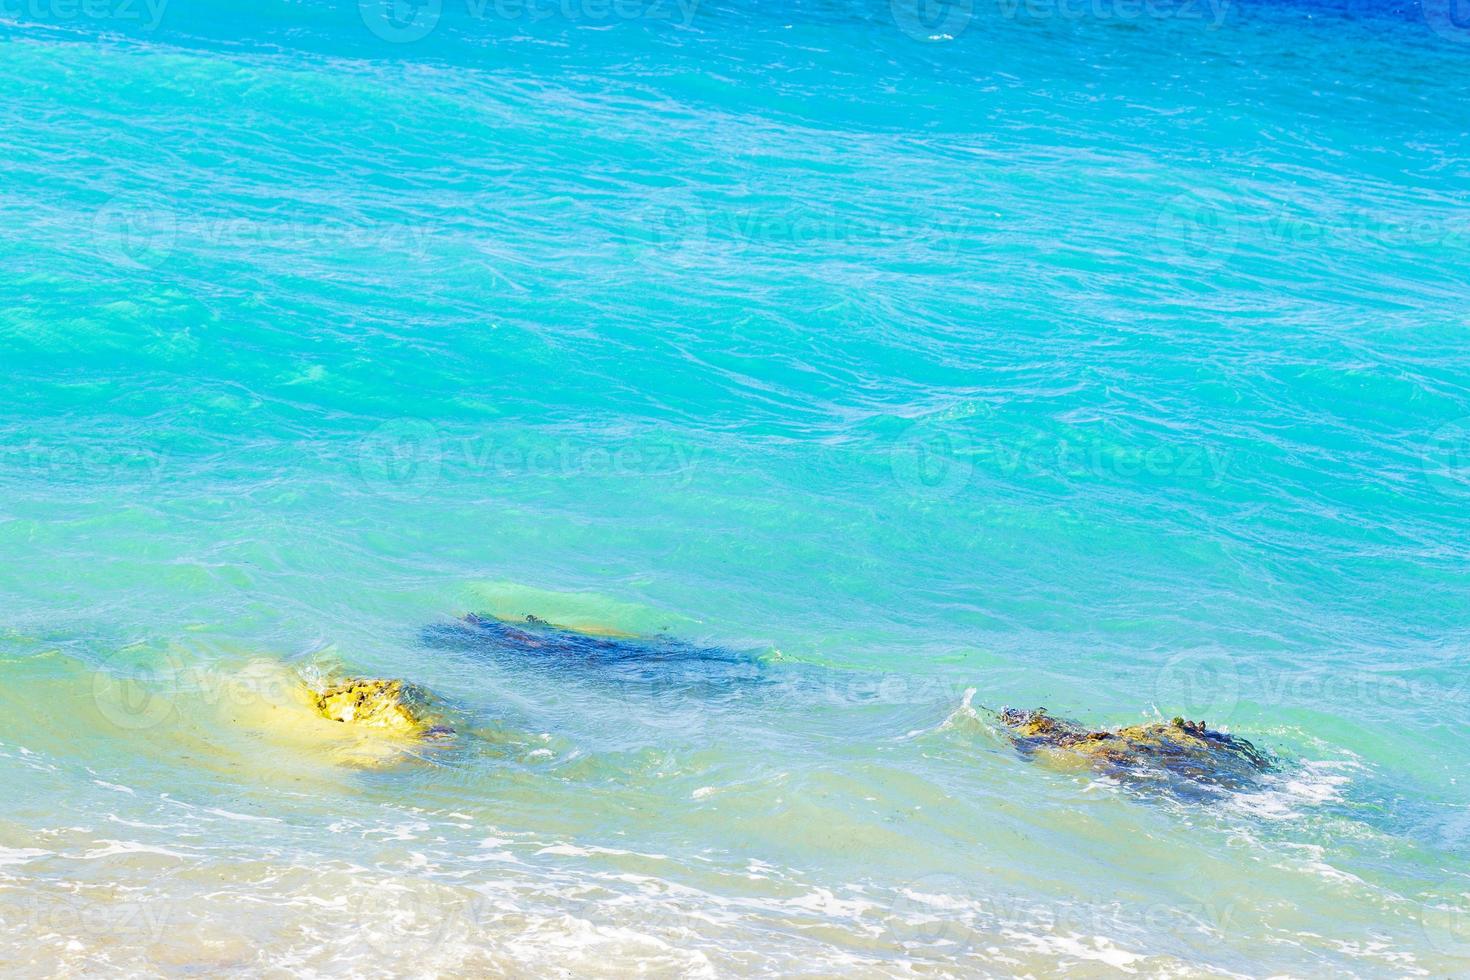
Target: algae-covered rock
{"points": [[389, 706], [1182, 748]]}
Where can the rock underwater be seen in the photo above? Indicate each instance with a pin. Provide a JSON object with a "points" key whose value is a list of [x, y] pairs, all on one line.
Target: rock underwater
{"points": [[386, 705], [550, 643], [663, 662], [1178, 748], [293, 715]]}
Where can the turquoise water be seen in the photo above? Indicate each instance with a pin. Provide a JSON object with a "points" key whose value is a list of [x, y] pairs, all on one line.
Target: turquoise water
{"points": [[1110, 357]]}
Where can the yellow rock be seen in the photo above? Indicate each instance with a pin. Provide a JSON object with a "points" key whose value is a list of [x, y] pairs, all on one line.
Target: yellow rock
{"points": [[354, 721], [378, 704]]}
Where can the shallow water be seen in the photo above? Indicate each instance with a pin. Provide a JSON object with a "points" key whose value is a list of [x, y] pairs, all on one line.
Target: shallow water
{"points": [[1103, 360]]}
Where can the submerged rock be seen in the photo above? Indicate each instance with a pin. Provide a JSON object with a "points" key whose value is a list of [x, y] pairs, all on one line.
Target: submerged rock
{"points": [[389, 706], [537, 639], [533, 642], [1181, 748], [663, 680]]}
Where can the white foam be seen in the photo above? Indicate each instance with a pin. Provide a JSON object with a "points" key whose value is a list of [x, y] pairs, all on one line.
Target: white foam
{"points": [[112, 847], [1286, 796], [20, 855], [114, 787]]}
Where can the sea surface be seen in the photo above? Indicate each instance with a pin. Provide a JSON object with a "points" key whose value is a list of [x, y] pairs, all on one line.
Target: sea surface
{"points": [[1111, 356]]}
